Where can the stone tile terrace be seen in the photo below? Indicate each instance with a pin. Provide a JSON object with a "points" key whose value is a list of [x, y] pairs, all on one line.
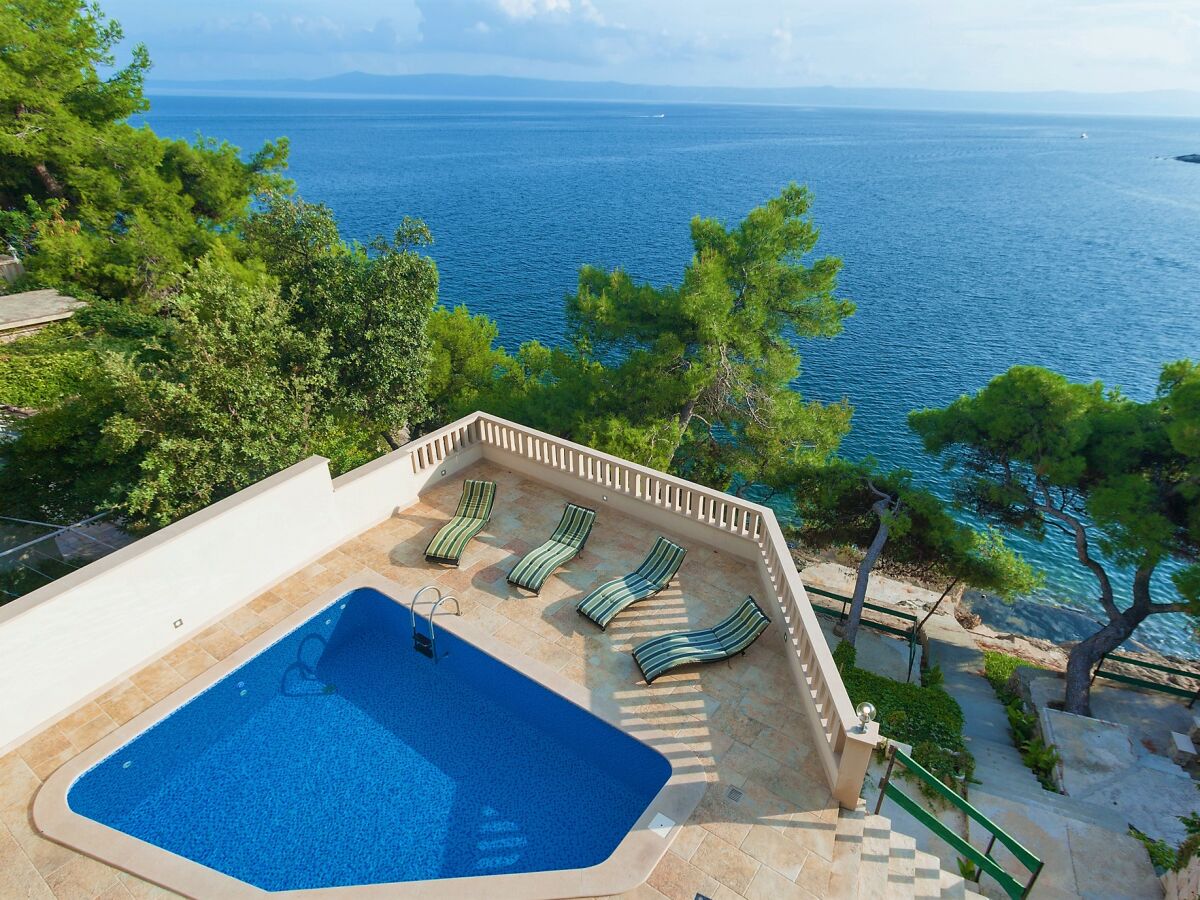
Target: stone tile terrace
{"points": [[742, 718]]}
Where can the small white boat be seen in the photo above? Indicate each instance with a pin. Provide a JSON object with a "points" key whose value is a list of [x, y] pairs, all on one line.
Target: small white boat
{"points": [[1083, 136], [659, 116]]}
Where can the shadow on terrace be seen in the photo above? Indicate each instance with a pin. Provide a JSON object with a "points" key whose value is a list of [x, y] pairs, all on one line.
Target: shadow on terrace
{"points": [[767, 796]]}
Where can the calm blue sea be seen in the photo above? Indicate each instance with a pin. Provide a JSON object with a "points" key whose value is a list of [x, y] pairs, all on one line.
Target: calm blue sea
{"points": [[971, 242]]}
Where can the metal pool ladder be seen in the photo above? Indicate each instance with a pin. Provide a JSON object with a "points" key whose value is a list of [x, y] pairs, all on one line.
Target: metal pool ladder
{"points": [[422, 643]]}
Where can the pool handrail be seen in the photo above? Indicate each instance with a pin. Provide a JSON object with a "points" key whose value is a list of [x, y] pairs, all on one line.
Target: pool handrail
{"points": [[432, 613]]}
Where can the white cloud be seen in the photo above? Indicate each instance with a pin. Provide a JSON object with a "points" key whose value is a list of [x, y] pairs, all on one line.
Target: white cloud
{"points": [[1100, 45]]}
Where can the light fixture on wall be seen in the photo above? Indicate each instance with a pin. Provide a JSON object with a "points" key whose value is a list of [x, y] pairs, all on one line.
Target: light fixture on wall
{"points": [[866, 712]]}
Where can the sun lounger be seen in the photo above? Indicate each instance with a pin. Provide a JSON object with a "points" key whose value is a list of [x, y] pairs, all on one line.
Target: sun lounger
{"points": [[567, 540], [729, 638], [474, 510], [602, 604]]}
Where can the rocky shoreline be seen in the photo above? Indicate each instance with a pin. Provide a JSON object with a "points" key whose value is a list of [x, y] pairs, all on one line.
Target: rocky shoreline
{"points": [[831, 571]]}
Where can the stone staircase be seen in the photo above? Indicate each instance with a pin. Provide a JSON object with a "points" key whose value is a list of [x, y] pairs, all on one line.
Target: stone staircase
{"points": [[1000, 772], [873, 862]]}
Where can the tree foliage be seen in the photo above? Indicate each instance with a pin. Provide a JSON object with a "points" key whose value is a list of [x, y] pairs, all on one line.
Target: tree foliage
{"points": [[1116, 478], [233, 393], [696, 377], [372, 308], [93, 202], [902, 524]]}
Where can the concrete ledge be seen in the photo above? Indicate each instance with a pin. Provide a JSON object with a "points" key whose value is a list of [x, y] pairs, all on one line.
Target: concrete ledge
{"points": [[30, 310]]}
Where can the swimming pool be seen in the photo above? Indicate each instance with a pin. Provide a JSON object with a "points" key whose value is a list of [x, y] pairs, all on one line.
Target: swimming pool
{"points": [[337, 756]]}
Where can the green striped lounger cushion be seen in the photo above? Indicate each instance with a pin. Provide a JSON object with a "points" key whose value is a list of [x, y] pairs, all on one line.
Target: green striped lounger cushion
{"points": [[602, 604], [729, 638], [474, 510], [568, 539]]}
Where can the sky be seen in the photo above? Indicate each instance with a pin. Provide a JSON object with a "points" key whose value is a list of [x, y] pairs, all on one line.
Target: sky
{"points": [[1005, 45]]}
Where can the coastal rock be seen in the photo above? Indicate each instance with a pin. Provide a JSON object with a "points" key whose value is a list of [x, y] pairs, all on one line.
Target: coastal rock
{"points": [[1189, 157]]}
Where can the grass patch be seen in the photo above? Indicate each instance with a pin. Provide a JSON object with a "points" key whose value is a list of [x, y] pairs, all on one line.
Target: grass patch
{"points": [[998, 669]]}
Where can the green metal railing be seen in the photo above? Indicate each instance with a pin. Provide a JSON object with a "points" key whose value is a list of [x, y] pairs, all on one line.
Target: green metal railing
{"points": [[909, 632], [984, 862], [1175, 691]]}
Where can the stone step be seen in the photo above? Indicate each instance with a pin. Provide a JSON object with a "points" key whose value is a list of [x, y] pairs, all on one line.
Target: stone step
{"points": [[871, 861], [902, 866], [928, 881], [1068, 807], [847, 850], [954, 887], [874, 859], [1001, 765]]}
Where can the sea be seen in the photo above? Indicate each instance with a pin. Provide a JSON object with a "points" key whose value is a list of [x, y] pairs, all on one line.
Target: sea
{"points": [[971, 242]]}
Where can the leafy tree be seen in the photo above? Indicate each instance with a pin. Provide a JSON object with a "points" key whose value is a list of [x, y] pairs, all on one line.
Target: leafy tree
{"points": [[372, 308], [235, 393], [95, 203], [1117, 478], [701, 374], [465, 366], [908, 527]]}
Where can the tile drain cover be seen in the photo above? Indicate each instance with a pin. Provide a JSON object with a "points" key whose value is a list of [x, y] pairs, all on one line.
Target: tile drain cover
{"points": [[661, 825]]}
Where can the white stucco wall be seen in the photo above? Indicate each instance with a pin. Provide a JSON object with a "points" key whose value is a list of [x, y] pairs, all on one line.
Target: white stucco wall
{"points": [[73, 638]]}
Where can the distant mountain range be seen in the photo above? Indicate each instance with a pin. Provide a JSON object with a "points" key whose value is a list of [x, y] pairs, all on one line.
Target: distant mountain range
{"points": [[362, 84]]}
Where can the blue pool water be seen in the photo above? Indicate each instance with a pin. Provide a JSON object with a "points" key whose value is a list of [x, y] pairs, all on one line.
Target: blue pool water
{"points": [[340, 756], [971, 241]]}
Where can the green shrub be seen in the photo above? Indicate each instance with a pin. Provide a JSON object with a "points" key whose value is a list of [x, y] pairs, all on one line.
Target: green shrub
{"points": [[1162, 855], [894, 722], [933, 677], [1021, 722], [952, 765], [122, 321], [844, 657], [967, 869], [1042, 759], [38, 370], [1187, 850], [33, 379], [928, 719]]}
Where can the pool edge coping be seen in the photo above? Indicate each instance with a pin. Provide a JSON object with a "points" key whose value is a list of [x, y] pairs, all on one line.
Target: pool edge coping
{"points": [[628, 866]]}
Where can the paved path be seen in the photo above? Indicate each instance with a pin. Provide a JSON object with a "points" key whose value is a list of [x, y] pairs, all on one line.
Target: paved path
{"points": [[1086, 848]]}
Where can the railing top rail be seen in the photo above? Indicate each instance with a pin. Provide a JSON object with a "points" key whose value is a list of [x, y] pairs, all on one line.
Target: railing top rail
{"points": [[730, 499], [1023, 855], [1146, 664], [403, 452], [1011, 886], [908, 617], [843, 708]]}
